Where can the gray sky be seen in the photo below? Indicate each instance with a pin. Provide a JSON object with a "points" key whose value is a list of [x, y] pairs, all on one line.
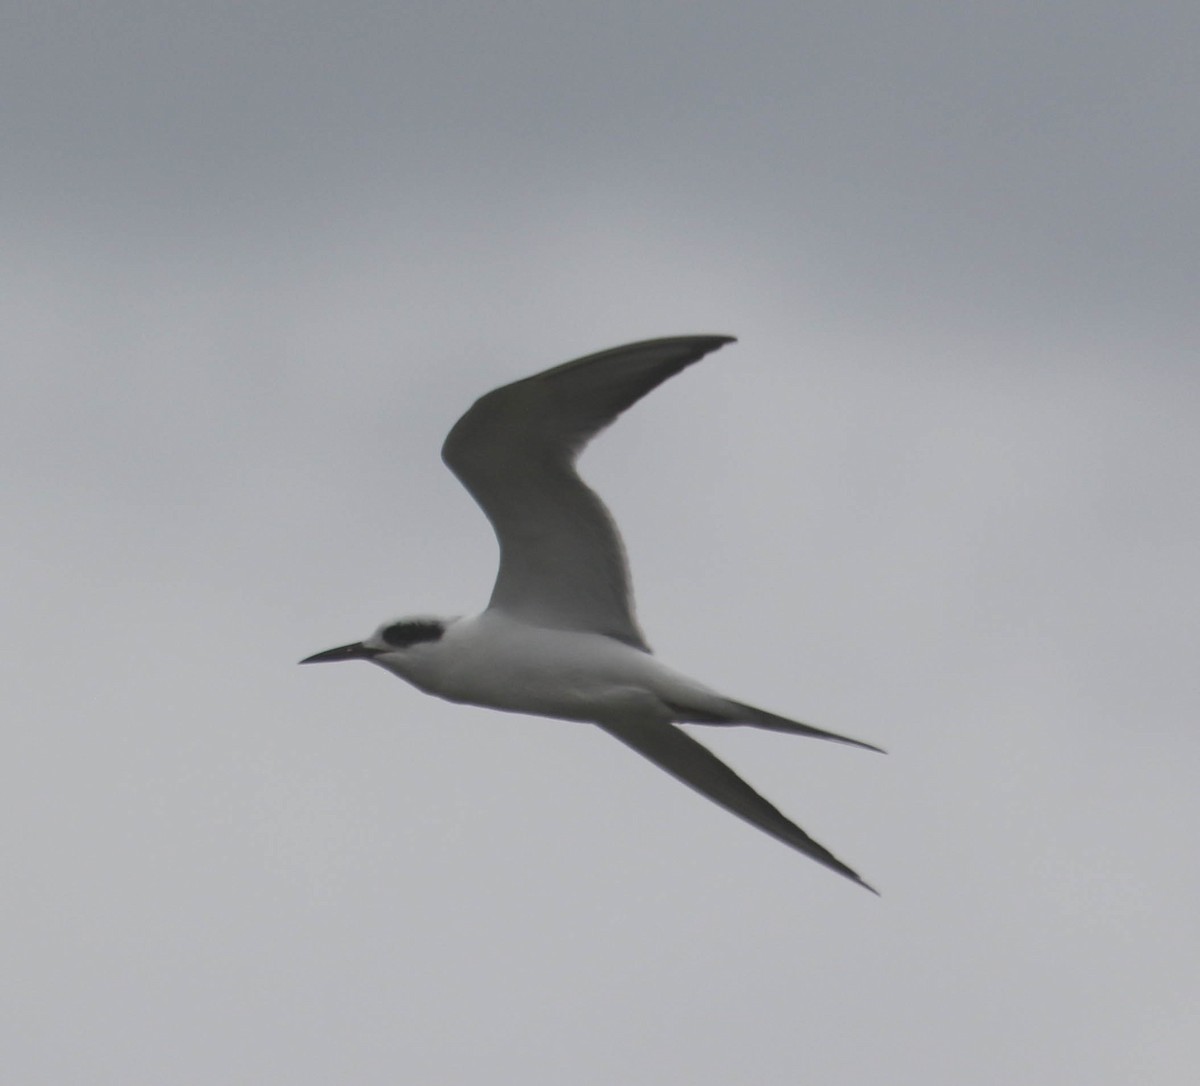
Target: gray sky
{"points": [[257, 257]]}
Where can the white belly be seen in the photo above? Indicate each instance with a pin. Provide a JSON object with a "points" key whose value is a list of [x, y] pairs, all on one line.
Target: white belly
{"points": [[493, 661]]}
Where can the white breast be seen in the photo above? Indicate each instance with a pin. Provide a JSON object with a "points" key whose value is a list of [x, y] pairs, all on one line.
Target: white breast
{"points": [[497, 662]]}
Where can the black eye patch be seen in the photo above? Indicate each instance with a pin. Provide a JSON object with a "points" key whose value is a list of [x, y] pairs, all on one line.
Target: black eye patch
{"points": [[402, 634]]}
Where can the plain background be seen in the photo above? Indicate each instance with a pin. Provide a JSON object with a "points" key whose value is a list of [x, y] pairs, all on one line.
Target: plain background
{"points": [[257, 257]]}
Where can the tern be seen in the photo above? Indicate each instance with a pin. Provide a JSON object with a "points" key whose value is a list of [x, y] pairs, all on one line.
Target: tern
{"points": [[559, 637]]}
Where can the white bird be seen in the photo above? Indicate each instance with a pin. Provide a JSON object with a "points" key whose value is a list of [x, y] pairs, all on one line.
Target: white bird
{"points": [[559, 637]]}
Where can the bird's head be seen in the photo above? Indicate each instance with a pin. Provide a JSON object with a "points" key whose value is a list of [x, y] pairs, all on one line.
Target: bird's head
{"points": [[390, 639]]}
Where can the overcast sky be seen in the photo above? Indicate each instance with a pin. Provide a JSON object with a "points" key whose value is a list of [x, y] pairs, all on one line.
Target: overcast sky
{"points": [[942, 495]]}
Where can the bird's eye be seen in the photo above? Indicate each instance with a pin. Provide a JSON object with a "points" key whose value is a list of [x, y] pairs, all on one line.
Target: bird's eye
{"points": [[402, 634]]}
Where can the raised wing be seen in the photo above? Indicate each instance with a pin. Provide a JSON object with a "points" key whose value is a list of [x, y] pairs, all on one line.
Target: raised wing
{"points": [[562, 565]]}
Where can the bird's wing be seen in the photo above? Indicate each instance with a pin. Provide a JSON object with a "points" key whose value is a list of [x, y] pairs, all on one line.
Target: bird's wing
{"points": [[562, 565], [672, 749]]}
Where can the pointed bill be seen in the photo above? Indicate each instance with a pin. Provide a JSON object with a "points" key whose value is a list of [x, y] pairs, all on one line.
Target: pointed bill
{"points": [[357, 651]]}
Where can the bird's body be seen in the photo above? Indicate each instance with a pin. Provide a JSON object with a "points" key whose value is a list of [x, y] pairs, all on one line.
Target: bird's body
{"points": [[559, 638], [499, 662]]}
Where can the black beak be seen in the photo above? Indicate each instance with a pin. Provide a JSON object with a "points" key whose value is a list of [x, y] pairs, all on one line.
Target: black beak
{"points": [[357, 651]]}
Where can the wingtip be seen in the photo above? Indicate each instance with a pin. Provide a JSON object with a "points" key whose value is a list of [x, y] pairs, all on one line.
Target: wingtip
{"points": [[851, 874], [862, 744], [712, 340], [705, 342]]}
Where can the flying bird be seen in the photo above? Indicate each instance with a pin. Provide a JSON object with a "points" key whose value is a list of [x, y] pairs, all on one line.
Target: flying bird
{"points": [[558, 637]]}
